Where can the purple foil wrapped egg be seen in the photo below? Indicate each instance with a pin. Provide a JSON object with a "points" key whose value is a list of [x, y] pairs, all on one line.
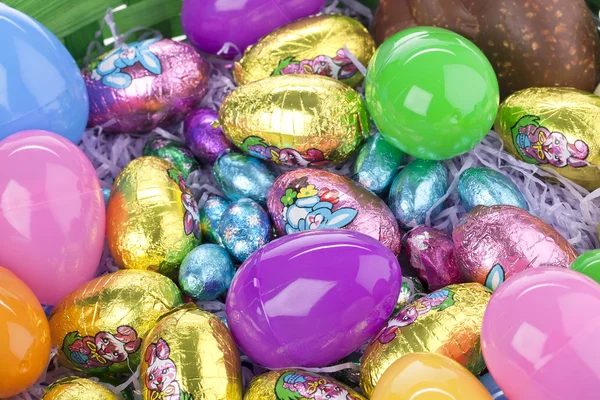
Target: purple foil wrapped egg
{"points": [[306, 199], [431, 253], [143, 85], [493, 243], [204, 136]]}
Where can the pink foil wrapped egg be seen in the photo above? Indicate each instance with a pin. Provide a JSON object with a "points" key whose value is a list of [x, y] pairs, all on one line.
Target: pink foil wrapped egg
{"points": [[306, 199], [143, 85], [494, 243]]}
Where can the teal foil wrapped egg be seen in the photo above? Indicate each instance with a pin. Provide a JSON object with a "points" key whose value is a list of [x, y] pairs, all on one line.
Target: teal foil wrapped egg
{"points": [[210, 216], [415, 190], [206, 272], [376, 164], [174, 152], [241, 176], [486, 187], [244, 227]]}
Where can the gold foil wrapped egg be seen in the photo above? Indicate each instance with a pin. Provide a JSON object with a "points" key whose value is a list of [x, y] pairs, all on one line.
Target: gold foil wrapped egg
{"points": [[99, 328], [447, 321], [152, 217], [289, 384], [296, 120], [74, 388], [190, 354], [316, 45], [555, 128]]}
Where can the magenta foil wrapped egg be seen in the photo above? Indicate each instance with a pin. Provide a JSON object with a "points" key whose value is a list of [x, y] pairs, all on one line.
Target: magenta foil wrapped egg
{"points": [[307, 199], [140, 86], [493, 243]]}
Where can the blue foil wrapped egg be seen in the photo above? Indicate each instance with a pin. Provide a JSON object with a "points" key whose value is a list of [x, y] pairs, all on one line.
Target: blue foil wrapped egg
{"points": [[376, 164], [206, 272], [486, 187], [241, 176], [244, 228], [416, 189], [210, 216]]}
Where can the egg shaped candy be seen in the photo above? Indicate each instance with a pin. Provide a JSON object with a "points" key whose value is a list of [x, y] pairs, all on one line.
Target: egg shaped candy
{"points": [[41, 84], [99, 327], [447, 321], [493, 243], [206, 272], [297, 384], [311, 298], [307, 199], [74, 388], [554, 128], [190, 354], [174, 152], [210, 216], [204, 136], [152, 217], [140, 86], [411, 290], [313, 45], [486, 187], [296, 120]]}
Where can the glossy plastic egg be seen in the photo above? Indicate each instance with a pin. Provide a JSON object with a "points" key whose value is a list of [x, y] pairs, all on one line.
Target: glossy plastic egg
{"points": [[174, 152], [486, 187], [74, 388], [41, 84], [210, 216], [447, 321], [204, 136], [296, 120], [24, 334], [307, 199], [99, 328], [152, 217], [140, 86], [206, 272], [190, 354], [52, 214], [494, 243], [315, 45], [588, 264], [311, 298], [492, 387]]}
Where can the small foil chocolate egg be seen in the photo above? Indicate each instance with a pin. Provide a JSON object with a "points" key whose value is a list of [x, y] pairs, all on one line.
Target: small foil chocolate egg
{"points": [[206, 272], [447, 321], [204, 136], [296, 120], [210, 216], [152, 217], [190, 354], [376, 164], [297, 384], [315, 45], [75, 388], [99, 327], [240, 176], [174, 152], [493, 243], [431, 253], [486, 187], [244, 228], [416, 189], [554, 128], [411, 290], [306, 199], [140, 86]]}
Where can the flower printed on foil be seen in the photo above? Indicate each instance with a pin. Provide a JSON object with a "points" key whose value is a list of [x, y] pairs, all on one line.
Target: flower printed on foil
{"points": [[191, 218], [256, 147], [299, 385], [339, 67]]}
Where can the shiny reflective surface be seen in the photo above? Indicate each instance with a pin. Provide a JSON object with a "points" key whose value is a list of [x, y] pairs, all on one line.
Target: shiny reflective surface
{"points": [[486, 187], [588, 264], [431, 93], [540, 326], [204, 136], [492, 387], [41, 84], [74, 388], [206, 272], [174, 152], [210, 216], [311, 298], [51, 214], [428, 376], [24, 335]]}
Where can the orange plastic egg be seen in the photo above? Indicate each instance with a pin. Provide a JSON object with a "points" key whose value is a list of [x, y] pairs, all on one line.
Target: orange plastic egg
{"points": [[24, 336], [428, 376]]}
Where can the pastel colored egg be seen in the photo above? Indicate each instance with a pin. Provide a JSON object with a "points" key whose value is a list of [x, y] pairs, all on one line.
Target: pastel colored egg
{"points": [[588, 264], [486, 187]]}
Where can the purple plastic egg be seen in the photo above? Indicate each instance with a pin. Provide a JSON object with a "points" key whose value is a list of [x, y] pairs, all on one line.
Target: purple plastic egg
{"points": [[311, 298], [431, 253], [143, 85], [209, 24], [204, 136]]}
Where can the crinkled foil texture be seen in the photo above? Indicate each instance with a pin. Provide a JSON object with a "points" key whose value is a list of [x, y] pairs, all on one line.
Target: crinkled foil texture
{"points": [[150, 100], [74, 388], [206, 358]]}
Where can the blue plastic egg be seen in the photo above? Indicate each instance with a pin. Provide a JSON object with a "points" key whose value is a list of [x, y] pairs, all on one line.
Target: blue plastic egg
{"points": [[486, 187], [41, 86], [488, 381]]}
